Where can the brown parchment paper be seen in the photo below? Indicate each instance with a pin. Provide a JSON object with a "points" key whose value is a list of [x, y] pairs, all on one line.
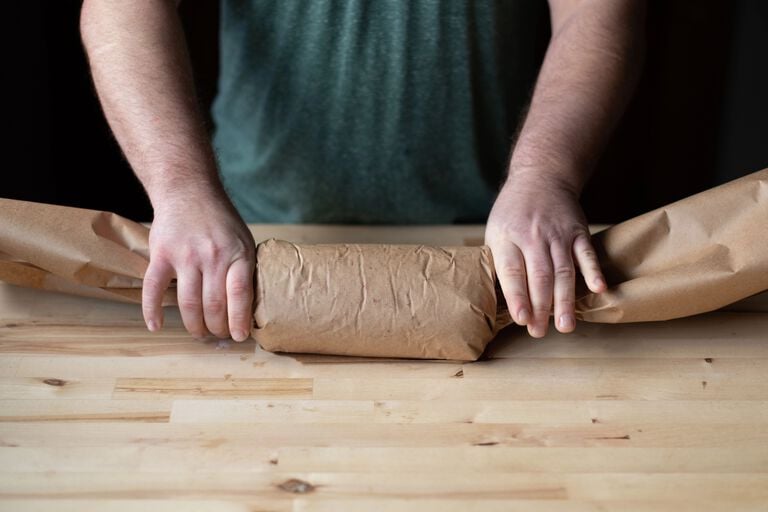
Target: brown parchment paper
{"points": [[385, 300], [73, 250], [692, 256]]}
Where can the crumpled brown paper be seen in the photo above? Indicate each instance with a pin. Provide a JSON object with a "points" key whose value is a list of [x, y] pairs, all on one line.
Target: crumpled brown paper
{"points": [[692, 256], [384, 300], [73, 250]]}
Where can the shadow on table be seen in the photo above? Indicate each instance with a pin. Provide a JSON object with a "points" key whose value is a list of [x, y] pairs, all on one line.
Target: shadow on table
{"points": [[711, 331]]}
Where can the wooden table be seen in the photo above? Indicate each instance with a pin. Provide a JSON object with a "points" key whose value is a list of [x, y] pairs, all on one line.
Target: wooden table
{"points": [[97, 413]]}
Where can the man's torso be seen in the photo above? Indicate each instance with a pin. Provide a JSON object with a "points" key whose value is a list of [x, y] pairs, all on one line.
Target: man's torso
{"points": [[371, 111]]}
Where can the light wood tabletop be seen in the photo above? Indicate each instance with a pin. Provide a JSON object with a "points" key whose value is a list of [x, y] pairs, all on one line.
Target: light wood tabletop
{"points": [[96, 413]]}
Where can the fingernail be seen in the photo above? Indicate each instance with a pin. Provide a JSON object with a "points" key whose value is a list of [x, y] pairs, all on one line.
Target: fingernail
{"points": [[599, 282], [239, 336], [151, 325], [567, 321], [523, 316]]}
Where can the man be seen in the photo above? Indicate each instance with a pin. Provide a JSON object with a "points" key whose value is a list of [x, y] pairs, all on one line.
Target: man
{"points": [[365, 111]]}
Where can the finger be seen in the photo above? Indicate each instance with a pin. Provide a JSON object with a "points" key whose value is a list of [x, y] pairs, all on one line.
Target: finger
{"points": [[215, 302], [189, 284], [510, 268], [156, 280], [538, 263], [564, 287], [588, 263], [240, 298]]}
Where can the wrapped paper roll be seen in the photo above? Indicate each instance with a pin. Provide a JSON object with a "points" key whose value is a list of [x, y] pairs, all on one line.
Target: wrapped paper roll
{"points": [[376, 300], [692, 256]]}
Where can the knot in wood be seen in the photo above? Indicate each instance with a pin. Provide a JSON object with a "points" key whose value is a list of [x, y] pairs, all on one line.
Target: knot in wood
{"points": [[296, 486]]}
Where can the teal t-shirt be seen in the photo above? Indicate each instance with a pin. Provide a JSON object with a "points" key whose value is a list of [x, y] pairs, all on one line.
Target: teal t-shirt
{"points": [[371, 111]]}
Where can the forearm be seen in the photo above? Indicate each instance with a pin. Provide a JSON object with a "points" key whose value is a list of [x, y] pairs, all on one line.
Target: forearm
{"points": [[587, 77], [143, 78]]}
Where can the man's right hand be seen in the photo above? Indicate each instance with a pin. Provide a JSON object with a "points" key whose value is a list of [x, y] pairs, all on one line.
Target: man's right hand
{"points": [[202, 242], [141, 70]]}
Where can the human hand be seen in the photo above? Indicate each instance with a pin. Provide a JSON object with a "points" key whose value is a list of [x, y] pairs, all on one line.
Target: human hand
{"points": [[536, 230], [201, 241]]}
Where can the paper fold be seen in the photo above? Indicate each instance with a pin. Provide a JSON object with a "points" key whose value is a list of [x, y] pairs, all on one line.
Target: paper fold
{"points": [[692, 256]]}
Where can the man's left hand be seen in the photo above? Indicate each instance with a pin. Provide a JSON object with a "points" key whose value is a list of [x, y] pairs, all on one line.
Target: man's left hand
{"points": [[538, 234]]}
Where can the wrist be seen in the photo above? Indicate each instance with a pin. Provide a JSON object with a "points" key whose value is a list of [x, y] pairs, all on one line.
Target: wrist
{"points": [[546, 177], [172, 184]]}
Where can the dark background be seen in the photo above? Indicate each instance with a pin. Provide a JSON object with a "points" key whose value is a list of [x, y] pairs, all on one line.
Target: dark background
{"points": [[697, 118]]}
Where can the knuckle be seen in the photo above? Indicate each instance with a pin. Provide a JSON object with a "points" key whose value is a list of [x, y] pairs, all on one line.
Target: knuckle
{"points": [[529, 239], [240, 288], [514, 271], [159, 253], [199, 252], [544, 233], [152, 284], [500, 229], [190, 303], [565, 272], [188, 256], [214, 253], [210, 249], [542, 276], [215, 306], [244, 249], [553, 238]]}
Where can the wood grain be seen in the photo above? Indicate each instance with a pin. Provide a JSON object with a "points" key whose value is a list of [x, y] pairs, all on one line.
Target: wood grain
{"points": [[97, 413]]}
